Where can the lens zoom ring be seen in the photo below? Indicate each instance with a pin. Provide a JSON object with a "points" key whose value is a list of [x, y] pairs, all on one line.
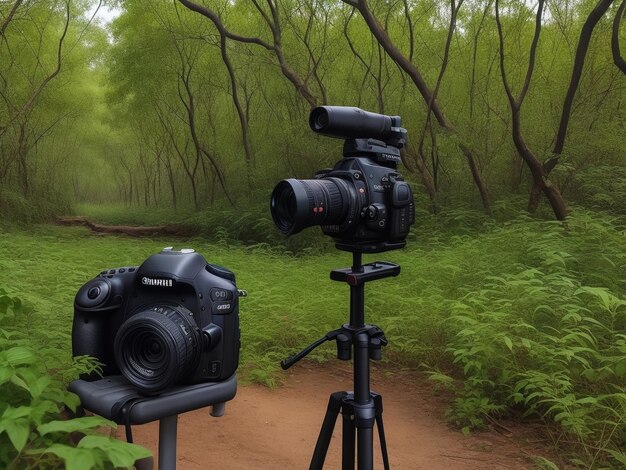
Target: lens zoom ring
{"points": [[324, 194], [334, 201], [310, 193]]}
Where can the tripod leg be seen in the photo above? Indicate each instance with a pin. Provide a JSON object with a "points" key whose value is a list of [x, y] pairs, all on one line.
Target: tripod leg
{"points": [[378, 402], [383, 442], [326, 433]]}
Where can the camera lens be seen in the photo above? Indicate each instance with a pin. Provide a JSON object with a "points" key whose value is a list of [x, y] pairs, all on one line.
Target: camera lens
{"points": [[319, 119], [156, 347], [297, 204]]}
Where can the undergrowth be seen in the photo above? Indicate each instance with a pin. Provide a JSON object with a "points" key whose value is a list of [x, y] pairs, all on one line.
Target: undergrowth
{"points": [[516, 315], [42, 205], [546, 337], [34, 374], [250, 226]]}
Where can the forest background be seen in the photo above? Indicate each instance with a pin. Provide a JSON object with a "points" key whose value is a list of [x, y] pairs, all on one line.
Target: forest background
{"points": [[187, 113]]}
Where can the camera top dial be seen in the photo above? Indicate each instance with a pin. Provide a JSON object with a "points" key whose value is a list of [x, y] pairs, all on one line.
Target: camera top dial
{"points": [[94, 293]]}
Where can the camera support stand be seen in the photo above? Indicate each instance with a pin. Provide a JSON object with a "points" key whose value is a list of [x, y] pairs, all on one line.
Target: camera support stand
{"points": [[361, 407], [114, 398]]}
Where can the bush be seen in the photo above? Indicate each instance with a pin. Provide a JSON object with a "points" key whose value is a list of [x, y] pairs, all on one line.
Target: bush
{"points": [[33, 392], [548, 339], [602, 187], [41, 206]]}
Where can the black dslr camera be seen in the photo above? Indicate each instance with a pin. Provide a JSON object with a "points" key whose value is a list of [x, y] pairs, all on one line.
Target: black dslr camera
{"points": [[362, 201], [174, 319]]}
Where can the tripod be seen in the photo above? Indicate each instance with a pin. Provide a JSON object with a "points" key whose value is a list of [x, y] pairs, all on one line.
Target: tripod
{"points": [[360, 408]]}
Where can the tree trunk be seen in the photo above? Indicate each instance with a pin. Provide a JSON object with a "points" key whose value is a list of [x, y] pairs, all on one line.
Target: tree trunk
{"points": [[579, 62], [540, 182], [615, 49], [200, 150], [429, 185], [22, 155], [243, 122], [9, 17], [170, 177]]}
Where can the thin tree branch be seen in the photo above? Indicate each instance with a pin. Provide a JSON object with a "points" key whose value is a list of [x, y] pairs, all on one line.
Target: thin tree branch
{"points": [[274, 25], [31, 101], [9, 17], [615, 49], [403, 62], [454, 11], [505, 81], [215, 19], [533, 54]]}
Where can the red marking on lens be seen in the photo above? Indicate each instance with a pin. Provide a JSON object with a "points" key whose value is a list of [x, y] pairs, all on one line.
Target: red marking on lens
{"points": [[321, 209], [315, 210]]}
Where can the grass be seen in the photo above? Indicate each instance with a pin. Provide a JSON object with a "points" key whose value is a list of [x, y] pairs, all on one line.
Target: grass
{"points": [[463, 308], [291, 300]]}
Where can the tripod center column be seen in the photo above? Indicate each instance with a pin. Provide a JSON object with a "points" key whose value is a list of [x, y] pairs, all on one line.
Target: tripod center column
{"points": [[357, 306], [357, 293]]}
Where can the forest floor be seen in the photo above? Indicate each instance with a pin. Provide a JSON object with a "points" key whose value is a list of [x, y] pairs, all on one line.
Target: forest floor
{"points": [[271, 429]]}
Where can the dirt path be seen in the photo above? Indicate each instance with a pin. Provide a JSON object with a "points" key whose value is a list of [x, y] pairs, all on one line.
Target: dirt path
{"points": [[277, 429]]}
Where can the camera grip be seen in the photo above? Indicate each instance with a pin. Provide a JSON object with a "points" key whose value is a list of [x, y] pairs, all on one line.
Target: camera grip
{"points": [[89, 337]]}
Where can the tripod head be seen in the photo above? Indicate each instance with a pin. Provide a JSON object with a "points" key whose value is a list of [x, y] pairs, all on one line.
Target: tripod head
{"points": [[356, 277]]}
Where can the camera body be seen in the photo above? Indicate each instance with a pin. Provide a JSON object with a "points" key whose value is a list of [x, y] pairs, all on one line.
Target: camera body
{"points": [[174, 319], [363, 202], [381, 207]]}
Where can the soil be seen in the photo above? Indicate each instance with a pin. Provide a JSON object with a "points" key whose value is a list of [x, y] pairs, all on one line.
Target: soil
{"points": [[277, 429]]}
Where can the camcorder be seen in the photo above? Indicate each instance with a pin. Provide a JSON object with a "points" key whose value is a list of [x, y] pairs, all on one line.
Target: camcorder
{"points": [[172, 320], [363, 200]]}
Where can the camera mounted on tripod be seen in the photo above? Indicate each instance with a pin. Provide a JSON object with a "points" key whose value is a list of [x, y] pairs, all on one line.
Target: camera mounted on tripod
{"points": [[367, 207], [362, 202]]}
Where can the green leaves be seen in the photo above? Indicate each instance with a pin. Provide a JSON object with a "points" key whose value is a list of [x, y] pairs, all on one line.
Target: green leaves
{"points": [[18, 356], [92, 451], [31, 397], [17, 428], [545, 335], [9, 306], [120, 454], [74, 458], [73, 425], [610, 302]]}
